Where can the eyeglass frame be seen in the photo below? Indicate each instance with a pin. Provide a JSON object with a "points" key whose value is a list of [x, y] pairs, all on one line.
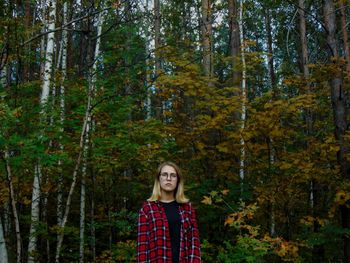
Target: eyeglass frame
{"points": [[172, 176]]}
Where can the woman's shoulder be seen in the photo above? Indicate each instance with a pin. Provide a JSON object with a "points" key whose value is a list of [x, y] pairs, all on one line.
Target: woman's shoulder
{"points": [[148, 206], [187, 205]]}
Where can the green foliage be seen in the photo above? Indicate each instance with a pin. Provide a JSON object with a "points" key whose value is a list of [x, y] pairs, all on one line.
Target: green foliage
{"points": [[125, 222], [289, 143], [246, 249]]}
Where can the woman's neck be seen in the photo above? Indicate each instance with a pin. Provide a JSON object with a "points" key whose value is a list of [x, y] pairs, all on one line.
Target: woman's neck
{"points": [[167, 197]]}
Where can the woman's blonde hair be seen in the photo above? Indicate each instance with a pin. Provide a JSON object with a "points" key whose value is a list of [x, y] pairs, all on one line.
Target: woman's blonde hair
{"points": [[179, 190]]}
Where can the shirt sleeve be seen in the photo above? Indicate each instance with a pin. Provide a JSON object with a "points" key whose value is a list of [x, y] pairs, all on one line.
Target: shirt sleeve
{"points": [[142, 238], [195, 255]]}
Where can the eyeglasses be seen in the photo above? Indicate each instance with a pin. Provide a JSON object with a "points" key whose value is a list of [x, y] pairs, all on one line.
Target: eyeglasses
{"points": [[172, 176]]}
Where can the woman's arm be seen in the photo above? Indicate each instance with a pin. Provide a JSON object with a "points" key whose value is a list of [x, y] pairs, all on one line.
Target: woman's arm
{"points": [[142, 238], [195, 254]]}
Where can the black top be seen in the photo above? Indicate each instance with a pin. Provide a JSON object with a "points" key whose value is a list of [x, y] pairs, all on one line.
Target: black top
{"points": [[173, 215]]}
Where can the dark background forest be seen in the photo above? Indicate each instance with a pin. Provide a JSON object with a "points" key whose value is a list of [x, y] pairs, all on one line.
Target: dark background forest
{"points": [[249, 98]]}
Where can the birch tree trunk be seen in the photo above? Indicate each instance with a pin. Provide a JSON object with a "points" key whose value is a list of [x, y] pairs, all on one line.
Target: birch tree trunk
{"points": [[74, 179], [157, 35], [3, 247], [83, 195], [43, 30], [92, 216], [84, 132], [32, 246], [64, 43], [148, 102], [340, 112], [13, 206], [244, 96], [158, 103], [270, 50], [3, 77], [92, 87]]}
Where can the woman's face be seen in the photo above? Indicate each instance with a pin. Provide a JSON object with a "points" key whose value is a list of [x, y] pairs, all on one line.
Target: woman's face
{"points": [[168, 179]]}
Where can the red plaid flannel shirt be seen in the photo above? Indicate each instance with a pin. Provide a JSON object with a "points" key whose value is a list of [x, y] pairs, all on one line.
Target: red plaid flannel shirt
{"points": [[153, 239]]}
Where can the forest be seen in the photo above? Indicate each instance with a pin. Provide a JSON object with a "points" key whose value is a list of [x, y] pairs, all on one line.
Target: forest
{"points": [[250, 98]]}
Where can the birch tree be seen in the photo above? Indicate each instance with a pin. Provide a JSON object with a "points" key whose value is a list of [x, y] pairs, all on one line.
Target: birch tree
{"points": [[92, 87], [3, 247], [270, 49], [157, 26], [82, 151], [244, 96], [148, 47], [45, 91], [14, 207], [64, 43]]}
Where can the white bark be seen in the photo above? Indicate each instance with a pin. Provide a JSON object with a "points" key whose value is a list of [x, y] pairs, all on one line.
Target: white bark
{"points": [[273, 218], [92, 216], [92, 83], [273, 221], [34, 214], [64, 43], [72, 187], [13, 205], [244, 95], [6, 219], [84, 134], [3, 77], [45, 90], [148, 102], [3, 247], [43, 29], [82, 209], [82, 194]]}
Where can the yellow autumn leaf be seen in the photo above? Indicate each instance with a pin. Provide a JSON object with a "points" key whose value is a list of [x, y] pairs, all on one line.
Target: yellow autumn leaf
{"points": [[213, 193], [225, 191], [285, 166], [342, 197], [207, 200], [229, 221]]}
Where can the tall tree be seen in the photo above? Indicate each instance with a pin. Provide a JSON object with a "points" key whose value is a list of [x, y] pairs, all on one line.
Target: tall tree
{"points": [[14, 206], [207, 33], [158, 105], [303, 39], [64, 50], [340, 113], [244, 96], [45, 91], [234, 39], [3, 246], [345, 34], [82, 149], [270, 49]]}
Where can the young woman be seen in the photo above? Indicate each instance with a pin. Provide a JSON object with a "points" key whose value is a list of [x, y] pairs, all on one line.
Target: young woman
{"points": [[167, 226]]}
